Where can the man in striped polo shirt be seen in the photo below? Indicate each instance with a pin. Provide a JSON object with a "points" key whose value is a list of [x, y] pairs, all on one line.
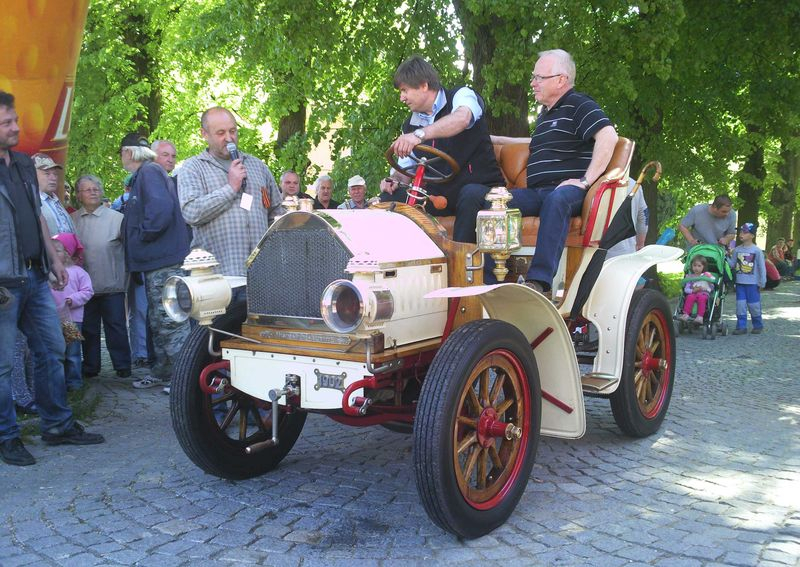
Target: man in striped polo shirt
{"points": [[571, 145]]}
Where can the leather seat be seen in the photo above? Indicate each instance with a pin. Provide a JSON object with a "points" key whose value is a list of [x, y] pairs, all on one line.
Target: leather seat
{"points": [[513, 160]]}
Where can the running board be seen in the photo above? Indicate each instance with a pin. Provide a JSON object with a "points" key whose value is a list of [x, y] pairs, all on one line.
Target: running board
{"points": [[596, 382]]}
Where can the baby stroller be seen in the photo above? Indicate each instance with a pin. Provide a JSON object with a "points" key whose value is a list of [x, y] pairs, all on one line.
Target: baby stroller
{"points": [[723, 278]]}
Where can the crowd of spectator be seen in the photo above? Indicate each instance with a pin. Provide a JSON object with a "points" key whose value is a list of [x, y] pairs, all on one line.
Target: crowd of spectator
{"points": [[109, 260]]}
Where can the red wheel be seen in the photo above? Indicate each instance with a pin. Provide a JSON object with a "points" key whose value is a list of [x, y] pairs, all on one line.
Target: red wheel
{"points": [[214, 429], [477, 428], [640, 403]]}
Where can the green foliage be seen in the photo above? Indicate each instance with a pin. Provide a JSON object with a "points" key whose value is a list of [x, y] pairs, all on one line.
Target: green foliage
{"points": [[698, 87], [670, 284]]}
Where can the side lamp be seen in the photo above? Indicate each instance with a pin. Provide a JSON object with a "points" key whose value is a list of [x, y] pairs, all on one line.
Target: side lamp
{"points": [[202, 295], [498, 230]]}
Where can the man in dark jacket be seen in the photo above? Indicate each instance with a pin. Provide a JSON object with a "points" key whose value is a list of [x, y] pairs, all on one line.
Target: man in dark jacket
{"points": [[449, 120], [26, 257], [156, 243]]}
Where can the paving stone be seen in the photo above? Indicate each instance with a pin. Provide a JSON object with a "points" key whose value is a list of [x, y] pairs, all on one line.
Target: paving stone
{"points": [[706, 489]]}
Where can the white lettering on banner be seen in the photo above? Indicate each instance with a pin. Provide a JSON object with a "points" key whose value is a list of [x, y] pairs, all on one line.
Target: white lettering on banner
{"points": [[63, 122]]}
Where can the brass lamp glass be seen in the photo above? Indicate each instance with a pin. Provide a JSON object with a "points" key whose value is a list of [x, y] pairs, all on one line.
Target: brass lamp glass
{"points": [[498, 230]]}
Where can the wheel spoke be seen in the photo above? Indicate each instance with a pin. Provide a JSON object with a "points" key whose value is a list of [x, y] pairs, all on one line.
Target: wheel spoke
{"points": [[482, 468], [507, 403], [467, 421], [471, 460], [467, 442], [497, 387], [639, 380], [484, 385], [474, 402], [495, 456], [226, 421], [242, 424]]}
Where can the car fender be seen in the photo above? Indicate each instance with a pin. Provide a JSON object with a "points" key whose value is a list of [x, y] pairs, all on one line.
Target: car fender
{"points": [[563, 413], [610, 299]]}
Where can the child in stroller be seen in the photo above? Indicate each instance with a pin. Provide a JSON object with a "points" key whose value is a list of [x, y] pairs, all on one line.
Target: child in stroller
{"points": [[716, 272], [697, 287]]}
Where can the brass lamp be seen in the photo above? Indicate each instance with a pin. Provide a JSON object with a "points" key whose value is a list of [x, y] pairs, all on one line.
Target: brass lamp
{"points": [[498, 230]]}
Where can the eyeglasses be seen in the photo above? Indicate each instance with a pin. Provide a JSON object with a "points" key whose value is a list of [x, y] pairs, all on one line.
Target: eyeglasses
{"points": [[540, 78], [90, 190]]}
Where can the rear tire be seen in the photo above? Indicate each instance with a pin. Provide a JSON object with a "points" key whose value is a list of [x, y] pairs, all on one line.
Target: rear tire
{"points": [[197, 417], [640, 403], [477, 428]]}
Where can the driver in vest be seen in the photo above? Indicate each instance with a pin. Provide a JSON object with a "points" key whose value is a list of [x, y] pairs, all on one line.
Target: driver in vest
{"points": [[449, 120]]}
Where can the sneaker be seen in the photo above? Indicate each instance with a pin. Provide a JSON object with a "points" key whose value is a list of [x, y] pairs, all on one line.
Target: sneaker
{"points": [[140, 363], [683, 317], [124, 373], [739, 332], [75, 435], [14, 452], [698, 320], [147, 382], [757, 331], [166, 390]]}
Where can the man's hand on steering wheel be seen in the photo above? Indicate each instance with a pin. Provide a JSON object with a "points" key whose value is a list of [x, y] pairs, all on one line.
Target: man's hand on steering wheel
{"points": [[405, 144]]}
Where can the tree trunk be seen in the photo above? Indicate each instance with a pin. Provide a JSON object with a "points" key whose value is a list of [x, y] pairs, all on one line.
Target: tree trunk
{"points": [[783, 199], [750, 185], [480, 45], [141, 43]]}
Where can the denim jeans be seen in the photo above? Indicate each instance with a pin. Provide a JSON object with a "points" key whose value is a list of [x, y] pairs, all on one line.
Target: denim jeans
{"points": [[110, 308], [33, 311], [748, 298], [137, 320], [553, 205], [72, 364]]}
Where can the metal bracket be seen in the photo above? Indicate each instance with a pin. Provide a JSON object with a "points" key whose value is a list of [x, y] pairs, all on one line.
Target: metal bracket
{"points": [[470, 266], [218, 353], [391, 365]]}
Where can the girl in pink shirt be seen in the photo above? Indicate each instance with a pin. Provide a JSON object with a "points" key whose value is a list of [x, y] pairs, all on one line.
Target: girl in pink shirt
{"points": [[71, 300]]}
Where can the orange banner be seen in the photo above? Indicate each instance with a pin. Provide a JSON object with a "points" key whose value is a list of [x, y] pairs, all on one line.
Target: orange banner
{"points": [[40, 41]]}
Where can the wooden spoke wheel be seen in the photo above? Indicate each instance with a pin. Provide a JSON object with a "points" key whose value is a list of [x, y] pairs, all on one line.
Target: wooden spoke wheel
{"points": [[640, 403], [477, 427], [215, 427]]}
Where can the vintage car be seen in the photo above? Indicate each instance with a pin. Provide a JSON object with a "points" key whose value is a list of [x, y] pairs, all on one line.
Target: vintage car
{"points": [[376, 317]]}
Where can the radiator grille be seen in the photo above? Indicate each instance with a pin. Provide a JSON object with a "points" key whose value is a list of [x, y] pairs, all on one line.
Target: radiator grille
{"points": [[295, 265]]}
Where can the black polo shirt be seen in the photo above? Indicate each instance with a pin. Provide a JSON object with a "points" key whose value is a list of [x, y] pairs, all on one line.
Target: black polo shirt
{"points": [[29, 234], [562, 142]]}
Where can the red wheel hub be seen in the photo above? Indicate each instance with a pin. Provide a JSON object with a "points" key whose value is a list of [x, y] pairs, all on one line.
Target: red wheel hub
{"points": [[649, 364], [489, 428]]}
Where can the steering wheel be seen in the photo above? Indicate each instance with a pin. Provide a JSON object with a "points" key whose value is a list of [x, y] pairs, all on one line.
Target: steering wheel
{"points": [[428, 163]]}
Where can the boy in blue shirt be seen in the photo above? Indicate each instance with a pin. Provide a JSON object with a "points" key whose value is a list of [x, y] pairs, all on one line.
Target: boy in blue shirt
{"points": [[747, 262]]}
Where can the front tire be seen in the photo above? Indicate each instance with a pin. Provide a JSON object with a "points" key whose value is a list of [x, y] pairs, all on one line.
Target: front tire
{"points": [[215, 429], [477, 428], [640, 403]]}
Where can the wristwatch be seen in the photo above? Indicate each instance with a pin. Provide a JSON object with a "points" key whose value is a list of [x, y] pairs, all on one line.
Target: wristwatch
{"points": [[419, 133], [584, 182]]}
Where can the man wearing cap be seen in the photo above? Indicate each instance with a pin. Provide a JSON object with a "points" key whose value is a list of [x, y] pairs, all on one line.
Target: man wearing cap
{"points": [[156, 242], [357, 187], [229, 203], [712, 224], [54, 213], [27, 256]]}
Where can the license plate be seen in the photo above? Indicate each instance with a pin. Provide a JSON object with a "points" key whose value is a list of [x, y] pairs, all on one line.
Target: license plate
{"points": [[330, 381]]}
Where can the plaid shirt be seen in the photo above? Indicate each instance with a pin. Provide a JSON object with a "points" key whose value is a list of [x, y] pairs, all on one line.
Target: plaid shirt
{"points": [[57, 217], [213, 209]]}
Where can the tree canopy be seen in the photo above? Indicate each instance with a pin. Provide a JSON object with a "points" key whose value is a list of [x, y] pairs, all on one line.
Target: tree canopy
{"points": [[710, 90]]}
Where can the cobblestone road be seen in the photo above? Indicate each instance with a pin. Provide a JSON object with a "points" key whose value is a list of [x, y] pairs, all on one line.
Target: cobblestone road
{"points": [[719, 484]]}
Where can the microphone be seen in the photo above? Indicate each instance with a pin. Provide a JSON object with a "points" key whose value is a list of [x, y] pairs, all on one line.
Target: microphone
{"points": [[231, 147]]}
